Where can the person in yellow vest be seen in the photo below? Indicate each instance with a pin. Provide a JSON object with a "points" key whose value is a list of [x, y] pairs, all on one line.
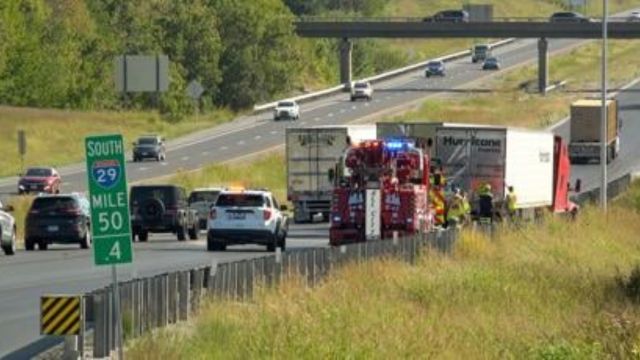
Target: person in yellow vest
{"points": [[466, 207], [455, 213], [512, 201]]}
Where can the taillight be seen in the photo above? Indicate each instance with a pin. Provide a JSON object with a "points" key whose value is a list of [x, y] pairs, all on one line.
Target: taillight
{"points": [[266, 214], [212, 214]]}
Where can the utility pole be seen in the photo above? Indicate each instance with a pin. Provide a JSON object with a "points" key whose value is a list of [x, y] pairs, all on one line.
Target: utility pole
{"points": [[603, 111]]}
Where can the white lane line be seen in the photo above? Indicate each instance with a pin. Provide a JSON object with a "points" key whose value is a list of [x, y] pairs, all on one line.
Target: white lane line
{"points": [[164, 163], [316, 119], [185, 158], [257, 137], [274, 132], [241, 142], [204, 153], [367, 104], [143, 168], [354, 107], [330, 115], [376, 100], [303, 123], [223, 148], [342, 111]]}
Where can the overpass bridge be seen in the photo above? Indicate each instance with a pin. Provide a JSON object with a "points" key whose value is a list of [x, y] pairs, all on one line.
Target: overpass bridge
{"points": [[347, 28]]}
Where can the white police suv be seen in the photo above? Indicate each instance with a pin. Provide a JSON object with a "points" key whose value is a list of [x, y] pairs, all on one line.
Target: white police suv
{"points": [[246, 217]]}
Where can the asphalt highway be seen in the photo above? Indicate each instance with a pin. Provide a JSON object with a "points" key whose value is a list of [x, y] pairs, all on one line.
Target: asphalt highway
{"points": [[26, 276]]}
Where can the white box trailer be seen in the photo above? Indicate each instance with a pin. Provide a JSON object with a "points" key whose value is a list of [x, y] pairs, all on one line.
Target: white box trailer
{"points": [[501, 156], [311, 152], [473, 154]]}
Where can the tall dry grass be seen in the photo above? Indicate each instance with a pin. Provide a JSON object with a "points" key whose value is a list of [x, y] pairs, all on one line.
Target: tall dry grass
{"points": [[542, 292]]}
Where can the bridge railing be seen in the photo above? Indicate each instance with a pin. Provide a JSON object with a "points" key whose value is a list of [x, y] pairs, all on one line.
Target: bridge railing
{"points": [[414, 19]]}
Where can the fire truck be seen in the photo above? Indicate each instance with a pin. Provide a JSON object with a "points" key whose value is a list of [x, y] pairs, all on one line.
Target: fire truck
{"points": [[380, 187]]}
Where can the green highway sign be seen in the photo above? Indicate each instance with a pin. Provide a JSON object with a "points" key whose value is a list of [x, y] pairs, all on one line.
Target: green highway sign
{"points": [[110, 224]]}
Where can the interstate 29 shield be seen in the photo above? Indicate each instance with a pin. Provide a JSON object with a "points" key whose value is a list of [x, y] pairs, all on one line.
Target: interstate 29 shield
{"points": [[106, 173]]}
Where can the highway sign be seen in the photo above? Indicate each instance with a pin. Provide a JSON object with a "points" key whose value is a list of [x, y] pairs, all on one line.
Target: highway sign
{"points": [[194, 89], [110, 224]]}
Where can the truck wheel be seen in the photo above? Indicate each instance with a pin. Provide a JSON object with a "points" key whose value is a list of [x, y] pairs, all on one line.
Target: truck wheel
{"points": [[181, 232], [194, 232], [43, 245], [143, 236], [282, 243]]}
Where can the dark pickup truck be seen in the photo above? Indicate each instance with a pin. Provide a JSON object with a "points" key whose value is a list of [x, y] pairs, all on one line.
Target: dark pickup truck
{"points": [[162, 209]]}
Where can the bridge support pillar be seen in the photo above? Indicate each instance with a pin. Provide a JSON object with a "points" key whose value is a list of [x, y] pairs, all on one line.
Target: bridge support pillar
{"points": [[346, 48], [543, 65]]}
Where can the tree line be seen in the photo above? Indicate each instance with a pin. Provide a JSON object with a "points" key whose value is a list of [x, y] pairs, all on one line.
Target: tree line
{"points": [[60, 53]]}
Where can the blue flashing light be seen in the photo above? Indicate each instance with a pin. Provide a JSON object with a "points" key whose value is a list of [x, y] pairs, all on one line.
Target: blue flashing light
{"points": [[395, 145]]}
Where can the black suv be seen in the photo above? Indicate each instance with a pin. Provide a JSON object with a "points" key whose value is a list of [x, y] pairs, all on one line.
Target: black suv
{"points": [[162, 209], [568, 17], [63, 219], [149, 147], [456, 16]]}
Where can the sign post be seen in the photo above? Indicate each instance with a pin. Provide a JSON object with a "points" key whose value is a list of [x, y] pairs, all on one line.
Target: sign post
{"points": [[110, 223]]}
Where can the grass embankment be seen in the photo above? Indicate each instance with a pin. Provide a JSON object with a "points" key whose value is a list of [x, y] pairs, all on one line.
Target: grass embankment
{"points": [[56, 137], [512, 105], [553, 291]]}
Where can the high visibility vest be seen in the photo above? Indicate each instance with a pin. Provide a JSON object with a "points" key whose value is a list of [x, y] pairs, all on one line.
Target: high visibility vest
{"points": [[512, 199], [456, 209], [436, 198]]}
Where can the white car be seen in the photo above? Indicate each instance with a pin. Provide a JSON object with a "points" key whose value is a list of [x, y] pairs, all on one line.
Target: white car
{"points": [[7, 230], [202, 200], [634, 16], [361, 90], [288, 109], [247, 217]]}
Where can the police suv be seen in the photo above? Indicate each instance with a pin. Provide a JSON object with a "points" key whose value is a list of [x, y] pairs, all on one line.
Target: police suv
{"points": [[247, 217]]}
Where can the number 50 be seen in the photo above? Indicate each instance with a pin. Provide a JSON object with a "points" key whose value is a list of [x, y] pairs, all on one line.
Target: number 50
{"points": [[107, 222]]}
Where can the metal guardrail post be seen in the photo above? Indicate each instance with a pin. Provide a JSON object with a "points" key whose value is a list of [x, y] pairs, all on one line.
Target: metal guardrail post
{"points": [[100, 334], [172, 291], [183, 295]]}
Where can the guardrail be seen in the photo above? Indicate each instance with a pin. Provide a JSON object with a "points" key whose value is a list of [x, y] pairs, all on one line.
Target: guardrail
{"points": [[376, 78], [614, 189], [155, 302]]}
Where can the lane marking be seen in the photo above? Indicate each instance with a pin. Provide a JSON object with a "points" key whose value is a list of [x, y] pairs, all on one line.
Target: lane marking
{"points": [[274, 132], [143, 168], [330, 115], [257, 137], [223, 148], [316, 119], [185, 158], [241, 142], [204, 153]]}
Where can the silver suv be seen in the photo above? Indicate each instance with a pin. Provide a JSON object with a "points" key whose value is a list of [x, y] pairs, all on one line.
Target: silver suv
{"points": [[149, 147], [202, 200]]}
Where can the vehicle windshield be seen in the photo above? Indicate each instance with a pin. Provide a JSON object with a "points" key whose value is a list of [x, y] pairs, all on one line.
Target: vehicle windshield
{"points": [[147, 141], [206, 196], [285, 104], [565, 14], [434, 64], [240, 200], [165, 194], [54, 204], [361, 86], [481, 48], [42, 172], [492, 60]]}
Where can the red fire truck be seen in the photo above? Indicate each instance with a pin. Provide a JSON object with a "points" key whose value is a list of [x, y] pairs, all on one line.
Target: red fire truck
{"points": [[380, 187]]}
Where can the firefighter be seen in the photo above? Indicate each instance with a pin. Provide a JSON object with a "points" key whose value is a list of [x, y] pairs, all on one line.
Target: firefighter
{"points": [[455, 213], [511, 201], [485, 203], [437, 199]]}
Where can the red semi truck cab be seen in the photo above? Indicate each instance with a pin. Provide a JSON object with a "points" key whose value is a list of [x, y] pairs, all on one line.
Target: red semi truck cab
{"points": [[380, 187]]}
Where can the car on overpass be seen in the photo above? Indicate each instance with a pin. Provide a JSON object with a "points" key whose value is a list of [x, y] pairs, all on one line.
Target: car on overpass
{"points": [[361, 90], [568, 17], [435, 68], [634, 16], [7, 230], [39, 180], [491, 63], [149, 147], [247, 217], [59, 219], [287, 109], [455, 16]]}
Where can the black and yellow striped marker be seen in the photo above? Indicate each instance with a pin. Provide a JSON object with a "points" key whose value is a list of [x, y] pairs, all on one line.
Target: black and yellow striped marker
{"points": [[60, 315]]}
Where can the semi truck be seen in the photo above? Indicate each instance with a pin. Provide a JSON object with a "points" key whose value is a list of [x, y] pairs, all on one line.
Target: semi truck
{"points": [[585, 130], [535, 163], [380, 187], [310, 153]]}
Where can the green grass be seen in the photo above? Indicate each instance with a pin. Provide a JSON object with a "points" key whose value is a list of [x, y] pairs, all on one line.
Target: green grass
{"points": [[548, 292], [56, 137], [511, 105]]}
